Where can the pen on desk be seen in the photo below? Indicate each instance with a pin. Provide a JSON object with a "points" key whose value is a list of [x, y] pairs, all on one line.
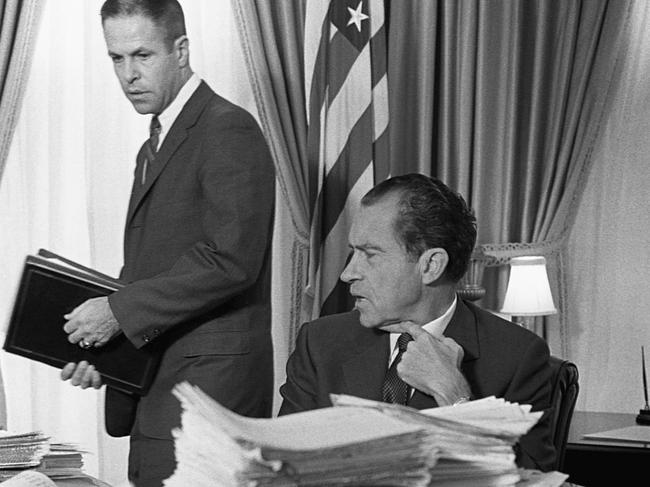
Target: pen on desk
{"points": [[645, 380]]}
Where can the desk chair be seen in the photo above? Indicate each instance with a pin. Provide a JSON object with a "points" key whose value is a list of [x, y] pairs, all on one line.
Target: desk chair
{"points": [[563, 400]]}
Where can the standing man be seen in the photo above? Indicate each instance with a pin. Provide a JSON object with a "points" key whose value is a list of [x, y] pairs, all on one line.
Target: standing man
{"points": [[196, 245], [411, 242]]}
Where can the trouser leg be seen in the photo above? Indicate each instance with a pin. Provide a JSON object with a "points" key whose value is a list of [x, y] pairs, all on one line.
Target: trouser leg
{"points": [[151, 460]]}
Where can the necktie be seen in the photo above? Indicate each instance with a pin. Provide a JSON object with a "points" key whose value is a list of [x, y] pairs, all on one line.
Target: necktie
{"points": [[394, 389], [151, 146]]}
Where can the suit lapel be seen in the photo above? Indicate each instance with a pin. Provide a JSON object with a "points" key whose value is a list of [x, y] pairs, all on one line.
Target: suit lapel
{"points": [[420, 400], [175, 137], [136, 188], [364, 371], [463, 329]]}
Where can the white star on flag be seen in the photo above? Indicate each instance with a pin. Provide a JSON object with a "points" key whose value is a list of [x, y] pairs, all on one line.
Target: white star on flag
{"points": [[356, 16]]}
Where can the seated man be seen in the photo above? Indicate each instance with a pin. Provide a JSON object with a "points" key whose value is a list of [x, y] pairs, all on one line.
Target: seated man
{"points": [[411, 242]]}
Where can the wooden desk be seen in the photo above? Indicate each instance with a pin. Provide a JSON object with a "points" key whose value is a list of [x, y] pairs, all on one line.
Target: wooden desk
{"points": [[595, 463], [89, 482]]}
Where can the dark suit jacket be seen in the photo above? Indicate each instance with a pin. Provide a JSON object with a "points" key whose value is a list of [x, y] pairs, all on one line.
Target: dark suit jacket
{"points": [[197, 254], [336, 354]]}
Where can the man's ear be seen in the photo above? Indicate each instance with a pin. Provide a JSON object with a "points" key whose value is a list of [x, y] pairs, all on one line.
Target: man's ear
{"points": [[182, 50], [433, 263]]}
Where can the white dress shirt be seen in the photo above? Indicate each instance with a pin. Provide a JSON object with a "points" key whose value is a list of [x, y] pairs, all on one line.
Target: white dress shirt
{"points": [[435, 327], [168, 116]]}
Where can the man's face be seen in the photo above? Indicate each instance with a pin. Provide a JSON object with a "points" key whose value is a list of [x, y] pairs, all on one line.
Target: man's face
{"points": [[384, 281], [148, 70]]}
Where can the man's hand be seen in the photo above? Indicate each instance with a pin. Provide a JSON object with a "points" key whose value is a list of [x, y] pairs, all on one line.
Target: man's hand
{"points": [[82, 374], [431, 364], [92, 322]]}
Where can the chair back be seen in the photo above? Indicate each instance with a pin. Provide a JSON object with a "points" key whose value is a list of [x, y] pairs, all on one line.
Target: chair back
{"points": [[563, 401]]}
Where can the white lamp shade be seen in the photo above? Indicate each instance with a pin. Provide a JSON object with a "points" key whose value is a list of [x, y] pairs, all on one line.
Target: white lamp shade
{"points": [[528, 293]]}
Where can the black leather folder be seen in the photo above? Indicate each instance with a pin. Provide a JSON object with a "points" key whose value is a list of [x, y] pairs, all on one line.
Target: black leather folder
{"points": [[50, 287]]}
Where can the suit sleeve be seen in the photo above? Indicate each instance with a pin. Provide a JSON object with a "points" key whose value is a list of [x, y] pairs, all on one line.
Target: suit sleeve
{"points": [[531, 384], [299, 392], [236, 177]]}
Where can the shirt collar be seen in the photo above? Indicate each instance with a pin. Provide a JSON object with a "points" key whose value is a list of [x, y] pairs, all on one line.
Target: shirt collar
{"points": [[438, 326], [168, 116], [434, 327]]}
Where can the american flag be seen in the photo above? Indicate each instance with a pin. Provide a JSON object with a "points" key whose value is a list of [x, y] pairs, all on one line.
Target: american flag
{"points": [[347, 90]]}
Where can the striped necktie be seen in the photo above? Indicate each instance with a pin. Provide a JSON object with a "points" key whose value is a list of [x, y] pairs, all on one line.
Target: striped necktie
{"points": [[151, 146], [394, 389]]}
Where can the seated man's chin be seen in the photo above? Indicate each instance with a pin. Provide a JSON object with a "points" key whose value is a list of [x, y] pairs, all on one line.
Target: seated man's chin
{"points": [[368, 321], [392, 327]]}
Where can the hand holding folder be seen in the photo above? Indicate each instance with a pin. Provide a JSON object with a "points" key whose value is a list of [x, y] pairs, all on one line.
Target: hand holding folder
{"points": [[52, 286], [92, 323]]}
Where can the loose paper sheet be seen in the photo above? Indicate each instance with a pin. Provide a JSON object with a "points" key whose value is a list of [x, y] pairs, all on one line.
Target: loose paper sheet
{"points": [[29, 478], [635, 434]]}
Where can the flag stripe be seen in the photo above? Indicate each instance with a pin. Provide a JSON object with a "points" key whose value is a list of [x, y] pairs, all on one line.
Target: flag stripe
{"points": [[343, 55], [377, 16], [382, 157], [378, 56], [338, 300], [317, 92], [378, 50], [343, 176], [334, 250], [380, 150], [316, 36], [347, 130], [346, 109], [380, 92]]}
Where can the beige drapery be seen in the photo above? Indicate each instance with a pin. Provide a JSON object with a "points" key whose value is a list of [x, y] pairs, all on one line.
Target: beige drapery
{"points": [[609, 262], [504, 101], [18, 26], [271, 34]]}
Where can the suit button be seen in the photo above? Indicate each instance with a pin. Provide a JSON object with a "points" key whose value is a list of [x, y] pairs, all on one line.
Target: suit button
{"points": [[156, 332], [146, 338]]}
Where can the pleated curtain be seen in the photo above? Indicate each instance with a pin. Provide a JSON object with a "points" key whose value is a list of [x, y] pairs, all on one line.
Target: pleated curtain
{"points": [[18, 27], [504, 101]]}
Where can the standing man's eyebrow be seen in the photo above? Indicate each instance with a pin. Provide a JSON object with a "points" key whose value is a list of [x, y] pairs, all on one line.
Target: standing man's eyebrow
{"points": [[134, 52]]}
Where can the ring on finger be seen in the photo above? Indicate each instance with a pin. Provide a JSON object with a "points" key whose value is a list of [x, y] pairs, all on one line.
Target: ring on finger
{"points": [[85, 344]]}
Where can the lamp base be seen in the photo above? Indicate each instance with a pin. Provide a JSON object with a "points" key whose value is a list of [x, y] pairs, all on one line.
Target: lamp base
{"points": [[643, 417], [471, 292], [528, 322]]}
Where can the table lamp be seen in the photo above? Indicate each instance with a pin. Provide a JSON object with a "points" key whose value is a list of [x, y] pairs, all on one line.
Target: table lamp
{"points": [[528, 293], [644, 414]]}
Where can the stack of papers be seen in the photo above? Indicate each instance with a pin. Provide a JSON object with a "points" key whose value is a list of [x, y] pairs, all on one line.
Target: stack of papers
{"points": [[21, 450], [474, 440], [63, 461], [356, 442], [331, 446], [34, 452]]}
